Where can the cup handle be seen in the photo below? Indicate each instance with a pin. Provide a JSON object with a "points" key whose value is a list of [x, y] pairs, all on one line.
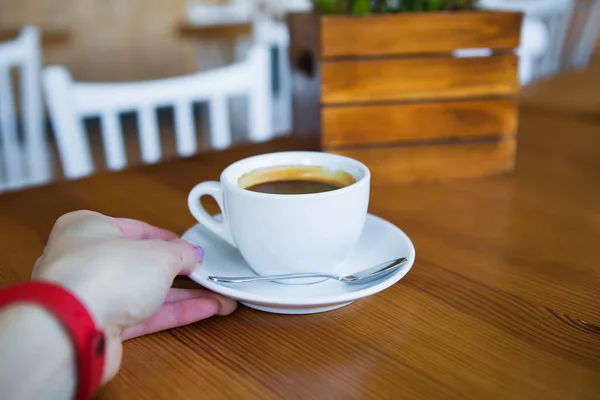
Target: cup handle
{"points": [[214, 190]]}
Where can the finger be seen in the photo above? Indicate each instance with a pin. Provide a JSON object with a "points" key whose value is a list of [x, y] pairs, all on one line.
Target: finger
{"points": [[138, 230], [172, 315], [177, 294], [182, 256], [227, 305]]}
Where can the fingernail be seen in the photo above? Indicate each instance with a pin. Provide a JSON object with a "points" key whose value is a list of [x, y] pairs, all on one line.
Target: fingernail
{"points": [[199, 252]]}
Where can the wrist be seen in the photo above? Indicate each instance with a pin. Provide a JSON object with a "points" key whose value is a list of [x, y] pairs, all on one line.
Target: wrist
{"points": [[85, 294], [87, 342], [49, 364], [90, 296]]}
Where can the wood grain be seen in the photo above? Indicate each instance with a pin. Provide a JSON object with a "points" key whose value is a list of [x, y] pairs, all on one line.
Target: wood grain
{"points": [[435, 162], [377, 90], [377, 124], [579, 93], [417, 79], [503, 302], [418, 33]]}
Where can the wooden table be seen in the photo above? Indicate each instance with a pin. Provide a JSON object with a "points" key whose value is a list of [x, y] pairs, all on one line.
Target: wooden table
{"points": [[503, 301]]}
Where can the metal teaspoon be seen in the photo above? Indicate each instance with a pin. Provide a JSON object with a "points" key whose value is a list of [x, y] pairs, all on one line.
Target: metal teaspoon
{"points": [[364, 276]]}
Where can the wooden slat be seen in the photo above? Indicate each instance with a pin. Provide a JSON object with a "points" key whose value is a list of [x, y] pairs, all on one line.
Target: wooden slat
{"points": [[418, 33], [371, 124], [391, 165], [418, 79]]}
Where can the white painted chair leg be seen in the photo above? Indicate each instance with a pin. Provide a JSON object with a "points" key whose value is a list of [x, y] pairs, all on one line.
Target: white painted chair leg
{"points": [[283, 113], [36, 144], [261, 106], [220, 131], [113, 141], [73, 145], [148, 134], [185, 128]]}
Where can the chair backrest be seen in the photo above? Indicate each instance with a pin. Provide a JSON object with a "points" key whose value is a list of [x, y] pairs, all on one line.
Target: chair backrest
{"points": [[24, 159], [275, 35], [266, 31], [584, 31], [69, 102], [554, 14]]}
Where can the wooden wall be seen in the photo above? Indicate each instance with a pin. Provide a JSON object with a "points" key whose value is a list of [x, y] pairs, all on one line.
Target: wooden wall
{"points": [[109, 39]]}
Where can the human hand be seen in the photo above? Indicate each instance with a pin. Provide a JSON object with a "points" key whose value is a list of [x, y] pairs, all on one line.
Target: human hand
{"points": [[122, 270]]}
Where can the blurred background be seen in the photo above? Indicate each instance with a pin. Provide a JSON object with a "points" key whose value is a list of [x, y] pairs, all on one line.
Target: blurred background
{"points": [[140, 40], [123, 40]]}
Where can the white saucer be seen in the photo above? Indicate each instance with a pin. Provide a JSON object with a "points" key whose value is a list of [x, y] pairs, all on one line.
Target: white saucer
{"points": [[380, 241]]}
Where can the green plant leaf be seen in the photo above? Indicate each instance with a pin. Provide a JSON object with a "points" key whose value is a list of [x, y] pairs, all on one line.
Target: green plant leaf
{"points": [[435, 5], [364, 7], [361, 7], [325, 6]]}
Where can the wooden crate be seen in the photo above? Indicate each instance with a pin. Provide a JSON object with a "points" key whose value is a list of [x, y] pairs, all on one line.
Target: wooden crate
{"points": [[389, 90]]}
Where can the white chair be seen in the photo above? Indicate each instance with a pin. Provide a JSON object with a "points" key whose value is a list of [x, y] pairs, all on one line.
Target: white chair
{"points": [[275, 35], [240, 11], [585, 28], [534, 44], [267, 31], [23, 161], [69, 102], [555, 16]]}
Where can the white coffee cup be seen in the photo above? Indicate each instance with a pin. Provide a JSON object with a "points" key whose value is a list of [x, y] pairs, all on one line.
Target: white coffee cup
{"points": [[288, 233]]}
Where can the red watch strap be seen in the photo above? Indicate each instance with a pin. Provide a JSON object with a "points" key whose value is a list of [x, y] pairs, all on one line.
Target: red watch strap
{"points": [[88, 340]]}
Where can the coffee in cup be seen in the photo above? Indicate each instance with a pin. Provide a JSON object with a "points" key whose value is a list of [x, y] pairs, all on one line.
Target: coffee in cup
{"points": [[295, 179], [289, 212]]}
